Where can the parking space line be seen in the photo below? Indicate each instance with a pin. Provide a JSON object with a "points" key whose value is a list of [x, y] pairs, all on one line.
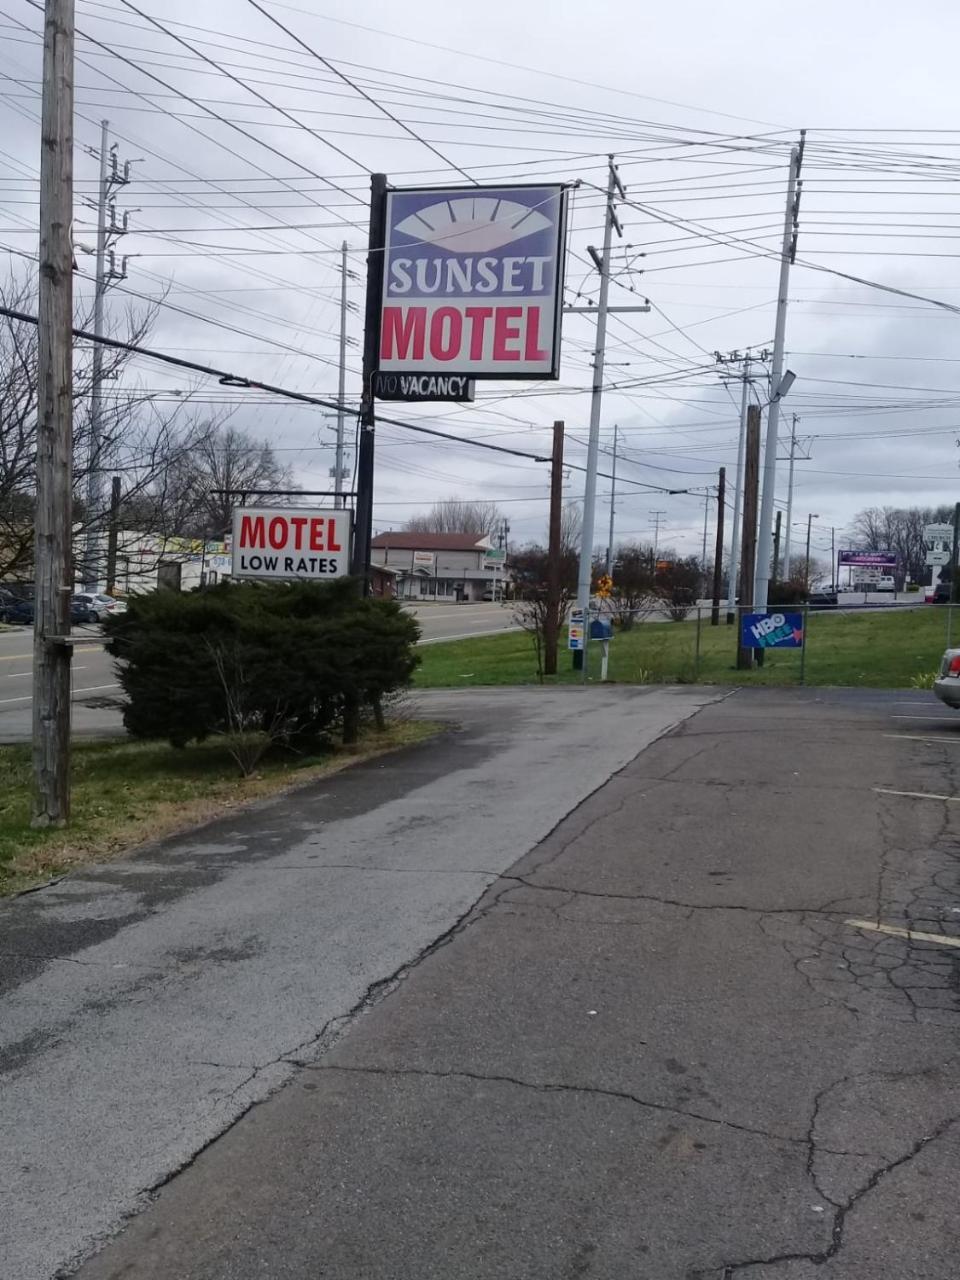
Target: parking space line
{"points": [[912, 935], [917, 737], [912, 795], [924, 717], [27, 675]]}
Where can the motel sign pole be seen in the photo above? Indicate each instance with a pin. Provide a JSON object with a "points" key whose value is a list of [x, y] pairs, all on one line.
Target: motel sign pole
{"points": [[363, 527]]}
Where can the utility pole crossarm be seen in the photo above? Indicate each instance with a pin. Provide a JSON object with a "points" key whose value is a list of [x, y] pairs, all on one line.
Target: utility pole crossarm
{"points": [[583, 311]]}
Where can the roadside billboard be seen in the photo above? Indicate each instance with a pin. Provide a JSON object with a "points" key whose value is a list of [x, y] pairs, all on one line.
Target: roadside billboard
{"points": [[472, 281], [868, 559], [290, 542]]}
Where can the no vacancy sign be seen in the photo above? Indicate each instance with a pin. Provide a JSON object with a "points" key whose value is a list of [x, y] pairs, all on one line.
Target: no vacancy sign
{"points": [[290, 542], [472, 281]]}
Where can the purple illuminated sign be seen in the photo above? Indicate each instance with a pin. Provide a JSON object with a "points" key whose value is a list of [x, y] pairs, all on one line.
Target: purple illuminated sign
{"points": [[869, 559]]}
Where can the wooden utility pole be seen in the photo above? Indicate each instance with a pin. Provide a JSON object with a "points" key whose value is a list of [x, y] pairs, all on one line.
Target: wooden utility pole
{"points": [[748, 551], [551, 630], [113, 530], [53, 521], [718, 553], [775, 572]]}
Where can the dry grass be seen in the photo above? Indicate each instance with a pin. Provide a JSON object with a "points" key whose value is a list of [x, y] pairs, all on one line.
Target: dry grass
{"points": [[125, 793]]}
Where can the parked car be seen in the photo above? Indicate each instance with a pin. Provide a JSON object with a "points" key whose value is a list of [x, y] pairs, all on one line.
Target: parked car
{"points": [[21, 611], [947, 683], [941, 593], [16, 611], [98, 606], [826, 598]]}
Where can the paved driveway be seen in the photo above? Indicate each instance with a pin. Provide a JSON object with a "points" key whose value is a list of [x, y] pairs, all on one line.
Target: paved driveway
{"points": [[148, 1003]]}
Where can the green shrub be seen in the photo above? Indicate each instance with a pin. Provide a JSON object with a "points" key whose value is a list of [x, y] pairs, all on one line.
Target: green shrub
{"points": [[268, 659]]}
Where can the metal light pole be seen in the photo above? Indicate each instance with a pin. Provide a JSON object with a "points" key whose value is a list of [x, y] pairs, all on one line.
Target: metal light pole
{"points": [[765, 545], [613, 503], [793, 455], [593, 441], [656, 534], [813, 515], [738, 492]]}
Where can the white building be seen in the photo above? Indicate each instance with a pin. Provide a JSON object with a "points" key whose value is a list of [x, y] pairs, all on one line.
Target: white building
{"points": [[441, 566]]}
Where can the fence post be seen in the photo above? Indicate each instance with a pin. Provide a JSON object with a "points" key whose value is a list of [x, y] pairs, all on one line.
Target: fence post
{"points": [[803, 649]]}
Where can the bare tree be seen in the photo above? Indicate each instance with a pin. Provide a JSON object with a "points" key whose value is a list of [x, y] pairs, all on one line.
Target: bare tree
{"points": [[635, 595], [136, 439], [196, 494], [532, 595], [454, 515], [898, 529]]}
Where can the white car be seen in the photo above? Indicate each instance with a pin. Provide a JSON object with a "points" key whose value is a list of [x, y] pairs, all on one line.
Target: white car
{"points": [[99, 606], [947, 684]]}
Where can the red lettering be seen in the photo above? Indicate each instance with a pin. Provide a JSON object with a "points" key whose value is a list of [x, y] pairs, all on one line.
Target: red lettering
{"points": [[316, 534], [277, 533], [532, 349], [332, 544], [478, 317], [403, 328], [446, 347], [252, 531], [298, 522], [504, 332]]}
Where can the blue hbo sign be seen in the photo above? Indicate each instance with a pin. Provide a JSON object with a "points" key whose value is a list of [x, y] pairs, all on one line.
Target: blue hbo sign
{"points": [[771, 631]]}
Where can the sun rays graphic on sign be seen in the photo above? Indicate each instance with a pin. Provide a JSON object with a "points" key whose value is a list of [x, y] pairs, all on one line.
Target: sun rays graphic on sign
{"points": [[473, 224]]}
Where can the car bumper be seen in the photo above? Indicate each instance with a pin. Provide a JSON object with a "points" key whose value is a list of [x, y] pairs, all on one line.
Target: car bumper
{"points": [[947, 689]]}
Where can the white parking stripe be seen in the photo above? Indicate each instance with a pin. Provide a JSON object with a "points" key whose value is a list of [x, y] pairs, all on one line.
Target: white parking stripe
{"points": [[912, 935], [912, 795]]}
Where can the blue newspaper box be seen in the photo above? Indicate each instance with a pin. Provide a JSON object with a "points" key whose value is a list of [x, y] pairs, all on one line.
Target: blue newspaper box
{"points": [[601, 629]]}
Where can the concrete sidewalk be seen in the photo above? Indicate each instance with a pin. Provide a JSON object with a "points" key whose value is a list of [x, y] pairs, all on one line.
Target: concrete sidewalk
{"points": [[147, 1003], [658, 1048]]}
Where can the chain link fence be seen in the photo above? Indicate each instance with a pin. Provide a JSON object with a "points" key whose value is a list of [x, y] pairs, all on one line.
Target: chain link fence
{"points": [[895, 645]]}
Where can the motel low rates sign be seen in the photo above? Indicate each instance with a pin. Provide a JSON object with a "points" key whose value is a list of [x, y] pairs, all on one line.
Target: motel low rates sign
{"points": [[472, 281], [290, 542]]}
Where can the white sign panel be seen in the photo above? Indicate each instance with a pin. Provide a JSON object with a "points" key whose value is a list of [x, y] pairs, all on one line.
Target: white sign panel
{"points": [[472, 281], [936, 559], [934, 533], [290, 542], [423, 559]]}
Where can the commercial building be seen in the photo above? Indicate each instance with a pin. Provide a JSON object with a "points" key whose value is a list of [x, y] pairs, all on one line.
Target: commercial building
{"points": [[441, 566]]}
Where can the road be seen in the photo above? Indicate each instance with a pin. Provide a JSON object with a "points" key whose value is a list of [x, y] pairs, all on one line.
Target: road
{"points": [[704, 1030], [148, 1003], [95, 686]]}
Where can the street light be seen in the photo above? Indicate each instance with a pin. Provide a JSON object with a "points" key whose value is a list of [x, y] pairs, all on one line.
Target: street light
{"points": [[813, 515]]}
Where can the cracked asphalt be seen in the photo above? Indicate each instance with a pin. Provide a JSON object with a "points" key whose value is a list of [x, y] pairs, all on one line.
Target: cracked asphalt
{"points": [[148, 1003], [654, 1049]]}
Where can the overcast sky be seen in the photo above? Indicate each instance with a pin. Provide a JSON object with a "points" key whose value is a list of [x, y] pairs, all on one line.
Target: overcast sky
{"points": [[700, 103]]}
